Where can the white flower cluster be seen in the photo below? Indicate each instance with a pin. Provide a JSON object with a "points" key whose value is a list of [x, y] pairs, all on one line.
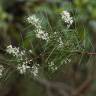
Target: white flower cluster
{"points": [[67, 18], [41, 34], [1, 70], [33, 20], [52, 67], [35, 69], [22, 68], [15, 52], [37, 23], [19, 54], [22, 61]]}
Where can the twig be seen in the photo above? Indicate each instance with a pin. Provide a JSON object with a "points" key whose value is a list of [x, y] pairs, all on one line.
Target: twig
{"points": [[61, 88], [86, 84]]}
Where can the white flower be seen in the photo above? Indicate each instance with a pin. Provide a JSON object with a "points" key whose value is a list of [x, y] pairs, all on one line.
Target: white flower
{"points": [[22, 68], [30, 51], [67, 18], [1, 70], [33, 20], [37, 23], [42, 34], [22, 62], [52, 67], [34, 70], [14, 51]]}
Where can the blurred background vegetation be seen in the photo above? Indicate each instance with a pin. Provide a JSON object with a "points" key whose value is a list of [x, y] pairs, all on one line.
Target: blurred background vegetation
{"points": [[80, 74]]}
